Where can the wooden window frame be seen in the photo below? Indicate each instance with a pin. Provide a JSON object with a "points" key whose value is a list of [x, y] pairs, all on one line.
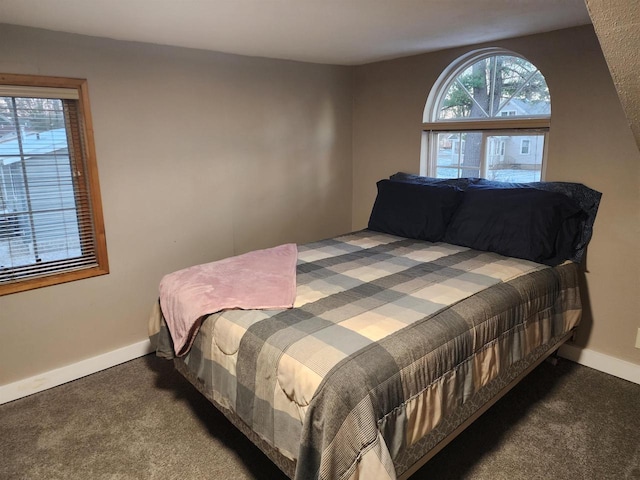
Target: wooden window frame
{"points": [[82, 143]]}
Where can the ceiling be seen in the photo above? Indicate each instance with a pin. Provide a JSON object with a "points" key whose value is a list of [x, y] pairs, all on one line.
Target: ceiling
{"points": [[344, 32]]}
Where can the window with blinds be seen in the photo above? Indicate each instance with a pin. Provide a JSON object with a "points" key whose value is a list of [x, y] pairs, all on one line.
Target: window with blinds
{"points": [[51, 227]]}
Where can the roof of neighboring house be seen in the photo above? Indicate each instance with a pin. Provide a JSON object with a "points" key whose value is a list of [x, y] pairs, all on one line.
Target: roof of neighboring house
{"points": [[526, 108], [33, 144]]}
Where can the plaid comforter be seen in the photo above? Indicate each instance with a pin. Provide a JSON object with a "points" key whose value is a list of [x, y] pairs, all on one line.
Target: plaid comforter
{"points": [[387, 337]]}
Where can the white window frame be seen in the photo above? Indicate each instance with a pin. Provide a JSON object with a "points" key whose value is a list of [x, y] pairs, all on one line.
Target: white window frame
{"points": [[430, 144], [431, 125]]}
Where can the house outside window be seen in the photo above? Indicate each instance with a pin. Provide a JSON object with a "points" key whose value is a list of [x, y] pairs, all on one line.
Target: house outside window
{"points": [[497, 104], [51, 227]]}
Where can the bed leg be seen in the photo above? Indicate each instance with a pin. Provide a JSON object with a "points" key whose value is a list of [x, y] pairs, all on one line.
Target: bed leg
{"points": [[553, 359]]}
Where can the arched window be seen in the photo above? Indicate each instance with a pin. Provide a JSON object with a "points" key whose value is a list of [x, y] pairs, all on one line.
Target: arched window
{"points": [[487, 116]]}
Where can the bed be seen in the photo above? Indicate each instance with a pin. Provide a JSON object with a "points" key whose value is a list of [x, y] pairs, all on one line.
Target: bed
{"points": [[401, 334]]}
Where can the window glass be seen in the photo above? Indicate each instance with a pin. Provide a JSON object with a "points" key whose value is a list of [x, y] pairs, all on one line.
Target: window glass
{"points": [[494, 155], [493, 87], [507, 165], [36, 185]]}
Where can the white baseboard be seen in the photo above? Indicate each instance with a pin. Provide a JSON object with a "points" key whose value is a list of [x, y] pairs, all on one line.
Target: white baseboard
{"points": [[604, 363], [53, 378], [22, 388]]}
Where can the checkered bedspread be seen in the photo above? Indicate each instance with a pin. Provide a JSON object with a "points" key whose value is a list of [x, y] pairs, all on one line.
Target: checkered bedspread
{"points": [[388, 335]]}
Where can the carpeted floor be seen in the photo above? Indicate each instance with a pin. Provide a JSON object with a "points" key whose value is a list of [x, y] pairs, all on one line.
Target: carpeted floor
{"points": [[141, 420]]}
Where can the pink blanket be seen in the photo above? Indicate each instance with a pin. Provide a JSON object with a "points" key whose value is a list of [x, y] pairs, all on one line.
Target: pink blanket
{"points": [[263, 279]]}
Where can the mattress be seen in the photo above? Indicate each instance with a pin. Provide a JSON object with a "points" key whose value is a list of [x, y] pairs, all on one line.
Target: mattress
{"points": [[391, 344]]}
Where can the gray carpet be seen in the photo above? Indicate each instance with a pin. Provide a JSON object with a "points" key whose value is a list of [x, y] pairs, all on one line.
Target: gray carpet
{"points": [[141, 420]]}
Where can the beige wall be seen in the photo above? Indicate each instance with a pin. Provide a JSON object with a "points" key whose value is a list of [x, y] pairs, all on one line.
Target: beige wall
{"points": [[218, 154], [589, 142], [201, 156]]}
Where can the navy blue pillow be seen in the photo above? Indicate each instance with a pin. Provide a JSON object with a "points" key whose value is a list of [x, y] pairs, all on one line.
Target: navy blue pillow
{"points": [[586, 198], [524, 222], [412, 210]]}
